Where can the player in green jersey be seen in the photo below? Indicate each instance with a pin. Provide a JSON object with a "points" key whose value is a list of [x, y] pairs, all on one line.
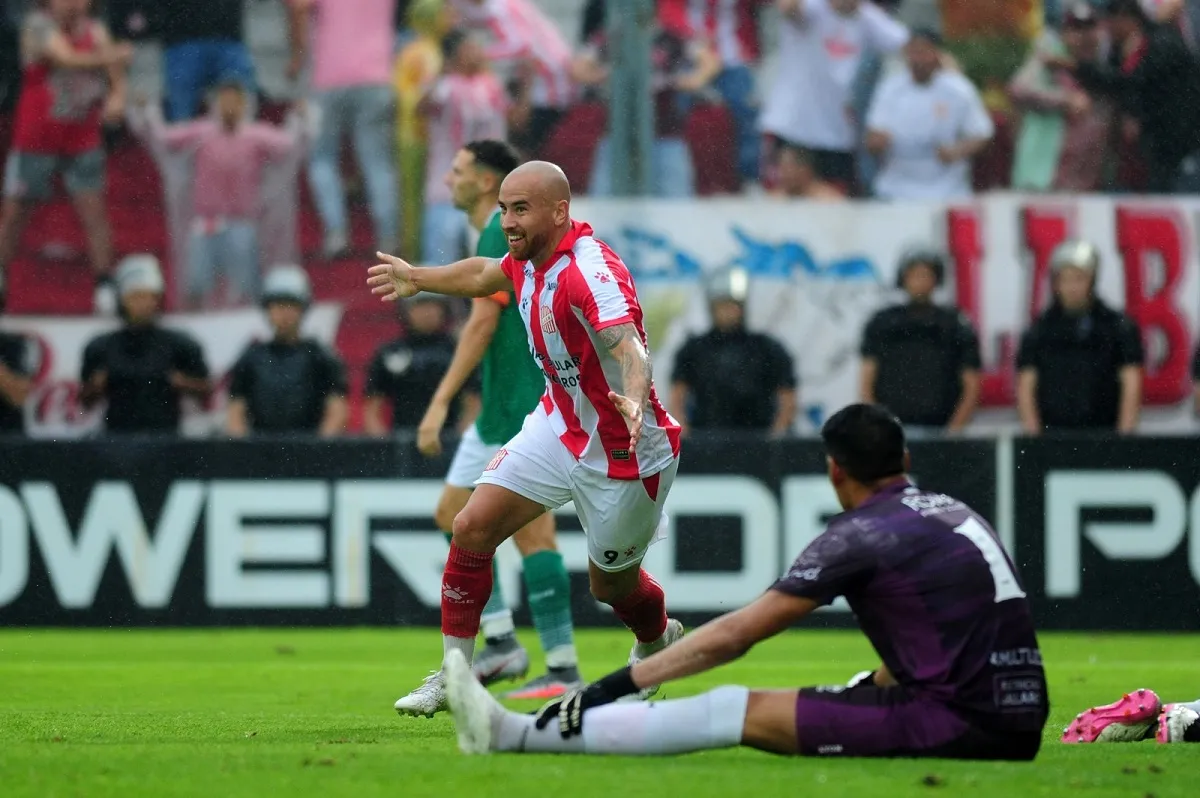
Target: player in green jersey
{"points": [[494, 337]]}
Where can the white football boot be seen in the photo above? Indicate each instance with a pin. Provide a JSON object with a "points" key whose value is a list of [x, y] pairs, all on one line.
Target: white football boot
{"points": [[475, 711], [672, 635], [428, 699]]}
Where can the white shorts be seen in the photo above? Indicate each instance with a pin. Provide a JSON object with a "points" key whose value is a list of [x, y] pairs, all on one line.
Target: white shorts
{"points": [[620, 517], [470, 458]]}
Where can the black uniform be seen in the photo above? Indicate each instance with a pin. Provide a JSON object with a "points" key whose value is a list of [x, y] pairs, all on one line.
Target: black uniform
{"points": [[1078, 361], [407, 372], [286, 386], [139, 361], [19, 355], [921, 351], [733, 378]]}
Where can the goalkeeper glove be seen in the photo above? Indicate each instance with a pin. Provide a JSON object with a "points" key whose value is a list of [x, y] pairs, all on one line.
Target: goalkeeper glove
{"points": [[571, 706]]}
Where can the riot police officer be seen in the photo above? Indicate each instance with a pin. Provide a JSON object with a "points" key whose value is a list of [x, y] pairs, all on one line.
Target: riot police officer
{"points": [[406, 372], [921, 359], [731, 378], [142, 369], [1080, 363], [19, 360], [290, 383]]}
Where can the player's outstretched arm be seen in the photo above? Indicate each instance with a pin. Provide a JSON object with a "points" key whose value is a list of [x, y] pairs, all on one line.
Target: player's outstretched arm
{"points": [[637, 375], [394, 278], [723, 639], [714, 644]]}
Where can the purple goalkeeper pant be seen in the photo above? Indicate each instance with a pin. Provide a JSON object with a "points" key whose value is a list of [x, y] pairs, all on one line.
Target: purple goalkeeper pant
{"points": [[870, 721]]}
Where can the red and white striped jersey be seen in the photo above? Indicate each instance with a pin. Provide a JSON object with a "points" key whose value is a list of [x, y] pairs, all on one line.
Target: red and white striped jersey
{"points": [[583, 289], [520, 31], [462, 108]]}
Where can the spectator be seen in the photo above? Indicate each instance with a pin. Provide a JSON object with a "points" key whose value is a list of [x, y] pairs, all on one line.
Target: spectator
{"points": [[1080, 363], [730, 27], [683, 65], [1065, 131], [203, 42], [919, 359], [1181, 14], [19, 361], [926, 123], [417, 69], [798, 179], [351, 78], [74, 77], [142, 369], [526, 41], [228, 153], [406, 372], [730, 378], [1156, 80], [821, 44], [288, 384], [467, 103]]}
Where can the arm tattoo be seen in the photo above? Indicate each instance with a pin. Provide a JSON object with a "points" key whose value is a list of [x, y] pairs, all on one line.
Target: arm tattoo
{"points": [[636, 372]]}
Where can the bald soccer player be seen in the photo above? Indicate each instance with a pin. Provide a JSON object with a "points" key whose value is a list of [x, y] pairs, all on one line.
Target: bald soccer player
{"points": [[935, 594], [599, 436]]}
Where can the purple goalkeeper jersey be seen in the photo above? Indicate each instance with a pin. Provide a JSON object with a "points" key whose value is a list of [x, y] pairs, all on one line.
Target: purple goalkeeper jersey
{"points": [[939, 600]]}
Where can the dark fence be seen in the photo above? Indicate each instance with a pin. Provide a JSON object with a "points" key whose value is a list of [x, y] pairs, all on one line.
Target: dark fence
{"points": [[146, 532]]}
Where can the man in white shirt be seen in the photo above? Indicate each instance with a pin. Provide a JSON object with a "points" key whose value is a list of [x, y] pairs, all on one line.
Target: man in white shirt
{"points": [[821, 43], [925, 125]]}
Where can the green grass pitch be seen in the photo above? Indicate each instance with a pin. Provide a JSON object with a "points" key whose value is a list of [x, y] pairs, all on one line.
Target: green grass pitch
{"points": [[297, 713]]}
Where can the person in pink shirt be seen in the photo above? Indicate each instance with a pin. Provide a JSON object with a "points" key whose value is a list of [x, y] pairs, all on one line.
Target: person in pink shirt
{"points": [[351, 46], [522, 38], [467, 103], [229, 154]]}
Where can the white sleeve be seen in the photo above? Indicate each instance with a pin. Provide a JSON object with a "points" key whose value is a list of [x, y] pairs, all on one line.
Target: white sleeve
{"points": [[978, 122], [884, 34]]}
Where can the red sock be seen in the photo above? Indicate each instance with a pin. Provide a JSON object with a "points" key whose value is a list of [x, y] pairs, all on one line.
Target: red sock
{"points": [[466, 585], [644, 610]]}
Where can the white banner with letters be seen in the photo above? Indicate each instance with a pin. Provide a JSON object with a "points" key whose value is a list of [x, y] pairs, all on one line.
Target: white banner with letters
{"points": [[53, 409], [820, 270]]}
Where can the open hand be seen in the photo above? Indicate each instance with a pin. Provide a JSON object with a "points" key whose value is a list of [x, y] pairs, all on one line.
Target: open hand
{"points": [[632, 411], [391, 278]]}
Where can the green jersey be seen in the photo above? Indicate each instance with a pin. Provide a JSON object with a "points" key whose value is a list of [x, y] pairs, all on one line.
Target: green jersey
{"points": [[511, 382]]}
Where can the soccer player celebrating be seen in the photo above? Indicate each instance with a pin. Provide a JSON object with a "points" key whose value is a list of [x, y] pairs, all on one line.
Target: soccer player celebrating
{"points": [[512, 383], [599, 437], [929, 583]]}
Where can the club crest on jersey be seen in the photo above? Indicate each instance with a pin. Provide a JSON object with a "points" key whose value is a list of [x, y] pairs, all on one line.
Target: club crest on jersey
{"points": [[548, 325], [603, 277]]}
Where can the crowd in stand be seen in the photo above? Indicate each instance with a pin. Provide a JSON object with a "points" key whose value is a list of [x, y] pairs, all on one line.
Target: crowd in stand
{"points": [[861, 104]]}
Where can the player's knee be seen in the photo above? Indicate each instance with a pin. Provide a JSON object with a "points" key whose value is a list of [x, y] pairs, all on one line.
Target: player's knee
{"points": [[470, 531]]}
